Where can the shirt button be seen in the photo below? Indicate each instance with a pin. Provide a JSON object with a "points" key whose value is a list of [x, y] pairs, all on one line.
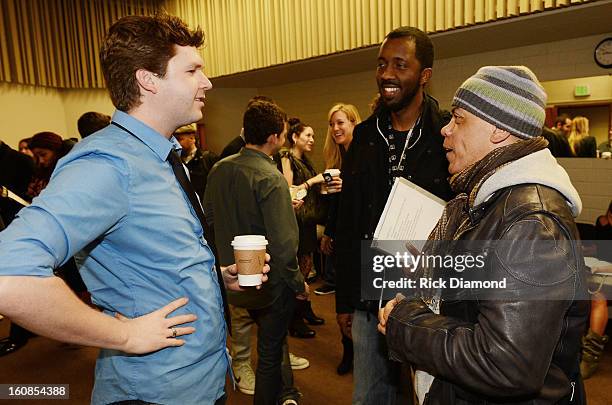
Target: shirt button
{"points": [[409, 177], [437, 181]]}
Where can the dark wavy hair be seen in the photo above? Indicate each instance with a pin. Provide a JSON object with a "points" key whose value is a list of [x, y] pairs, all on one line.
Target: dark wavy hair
{"points": [[296, 126]]}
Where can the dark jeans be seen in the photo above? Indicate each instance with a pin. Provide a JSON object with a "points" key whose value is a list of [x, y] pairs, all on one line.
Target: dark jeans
{"points": [[274, 377], [329, 275], [220, 401]]}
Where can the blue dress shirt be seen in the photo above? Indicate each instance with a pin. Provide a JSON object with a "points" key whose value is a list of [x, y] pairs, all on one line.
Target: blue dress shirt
{"points": [[115, 196]]}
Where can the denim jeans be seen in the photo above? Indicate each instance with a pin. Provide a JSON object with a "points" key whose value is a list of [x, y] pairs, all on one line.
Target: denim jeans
{"points": [[274, 377], [375, 377], [329, 275]]}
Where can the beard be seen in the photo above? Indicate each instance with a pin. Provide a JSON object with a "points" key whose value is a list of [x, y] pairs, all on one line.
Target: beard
{"points": [[406, 98]]}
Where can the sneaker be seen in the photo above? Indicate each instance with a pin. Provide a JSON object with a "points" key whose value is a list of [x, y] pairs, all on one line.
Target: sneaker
{"points": [[298, 363], [325, 290], [245, 378]]}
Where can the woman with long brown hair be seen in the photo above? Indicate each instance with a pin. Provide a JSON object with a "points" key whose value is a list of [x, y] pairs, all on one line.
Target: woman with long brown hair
{"points": [[301, 175]]}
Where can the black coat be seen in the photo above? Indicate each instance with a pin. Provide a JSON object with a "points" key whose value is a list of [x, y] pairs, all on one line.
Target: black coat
{"points": [[365, 188], [199, 167], [16, 170]]}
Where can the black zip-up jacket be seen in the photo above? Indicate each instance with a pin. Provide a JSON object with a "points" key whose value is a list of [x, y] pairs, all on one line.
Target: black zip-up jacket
{"points": [[365, 188], [519, 346]]}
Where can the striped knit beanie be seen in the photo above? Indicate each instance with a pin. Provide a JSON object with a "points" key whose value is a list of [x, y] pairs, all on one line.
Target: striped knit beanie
{"points": [[509, 97]]}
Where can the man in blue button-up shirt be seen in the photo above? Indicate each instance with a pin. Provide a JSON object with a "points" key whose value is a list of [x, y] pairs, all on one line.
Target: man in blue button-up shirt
{"points": [[115, 197]]}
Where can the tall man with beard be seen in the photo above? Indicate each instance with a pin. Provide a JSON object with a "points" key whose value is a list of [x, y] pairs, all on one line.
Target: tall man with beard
{"points": [[400, 139]]}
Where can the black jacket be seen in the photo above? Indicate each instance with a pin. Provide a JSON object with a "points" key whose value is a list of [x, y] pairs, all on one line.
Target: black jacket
{"points": [[365, 188], [233, 147], [199, 167], [16, 170], [557, 143], [515, 350]]}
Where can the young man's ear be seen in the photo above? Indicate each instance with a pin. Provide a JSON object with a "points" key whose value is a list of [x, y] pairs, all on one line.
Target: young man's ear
{"points": [[425, 76], [272, 139], [499, 135], [146, 80]]}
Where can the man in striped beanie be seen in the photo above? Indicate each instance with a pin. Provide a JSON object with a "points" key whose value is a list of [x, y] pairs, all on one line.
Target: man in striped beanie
{"points": [[518, 340], [506, 101]]}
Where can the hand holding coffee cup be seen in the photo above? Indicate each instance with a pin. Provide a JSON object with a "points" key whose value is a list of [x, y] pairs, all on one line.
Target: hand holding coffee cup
{"points": [[333, 182], [297, 192], [250, 256], [230, 275]]}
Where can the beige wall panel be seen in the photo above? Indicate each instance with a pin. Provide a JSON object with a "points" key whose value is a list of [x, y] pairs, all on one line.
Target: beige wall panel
{"points": [[26, 110], [550, 61], [77, 101], [223, 115], [562, 91], [595, 191]]}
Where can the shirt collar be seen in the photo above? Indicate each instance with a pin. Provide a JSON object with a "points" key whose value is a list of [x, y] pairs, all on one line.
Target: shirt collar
{"points": [[158, 143], [255, 152]]}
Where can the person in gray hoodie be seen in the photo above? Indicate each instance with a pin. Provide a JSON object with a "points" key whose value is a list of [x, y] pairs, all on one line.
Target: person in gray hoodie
{"points": [[518, 344]]}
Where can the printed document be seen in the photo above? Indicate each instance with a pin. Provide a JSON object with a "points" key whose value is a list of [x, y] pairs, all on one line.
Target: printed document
{"points": [[410, 214]]}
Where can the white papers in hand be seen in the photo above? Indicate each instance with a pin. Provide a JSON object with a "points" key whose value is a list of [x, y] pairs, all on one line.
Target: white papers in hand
{"points": [[598, 266], [410, 214]]}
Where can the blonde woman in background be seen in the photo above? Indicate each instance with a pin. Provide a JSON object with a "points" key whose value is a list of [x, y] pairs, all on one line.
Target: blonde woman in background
{"points": [[581, 143], [342, 119]]}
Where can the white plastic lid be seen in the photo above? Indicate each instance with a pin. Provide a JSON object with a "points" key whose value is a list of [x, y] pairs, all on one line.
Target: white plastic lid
{"points": [[333, 172], [247, 241]]}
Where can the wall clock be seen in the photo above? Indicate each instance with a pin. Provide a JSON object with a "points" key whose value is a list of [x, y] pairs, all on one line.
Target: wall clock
{"points": [[603, 53]]}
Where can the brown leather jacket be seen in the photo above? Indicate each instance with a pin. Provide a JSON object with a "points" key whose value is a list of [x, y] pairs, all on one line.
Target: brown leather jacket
{"points": [[515, 350]]}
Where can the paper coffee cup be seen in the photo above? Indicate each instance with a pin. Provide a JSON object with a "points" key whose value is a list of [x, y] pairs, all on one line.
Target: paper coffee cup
{"points": [[250, 256], [328, 175], [333, 172], [297, 193]]}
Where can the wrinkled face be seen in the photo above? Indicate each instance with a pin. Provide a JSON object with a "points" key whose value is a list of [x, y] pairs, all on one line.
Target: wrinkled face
{"points": [[342, 128], [182, 90], [187, 141], [398, 73], [45, 158], [305, 140], [466, 140]]}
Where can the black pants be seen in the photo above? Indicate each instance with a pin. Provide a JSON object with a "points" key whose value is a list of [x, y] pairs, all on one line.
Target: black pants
{"points": [[274, 377]]}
